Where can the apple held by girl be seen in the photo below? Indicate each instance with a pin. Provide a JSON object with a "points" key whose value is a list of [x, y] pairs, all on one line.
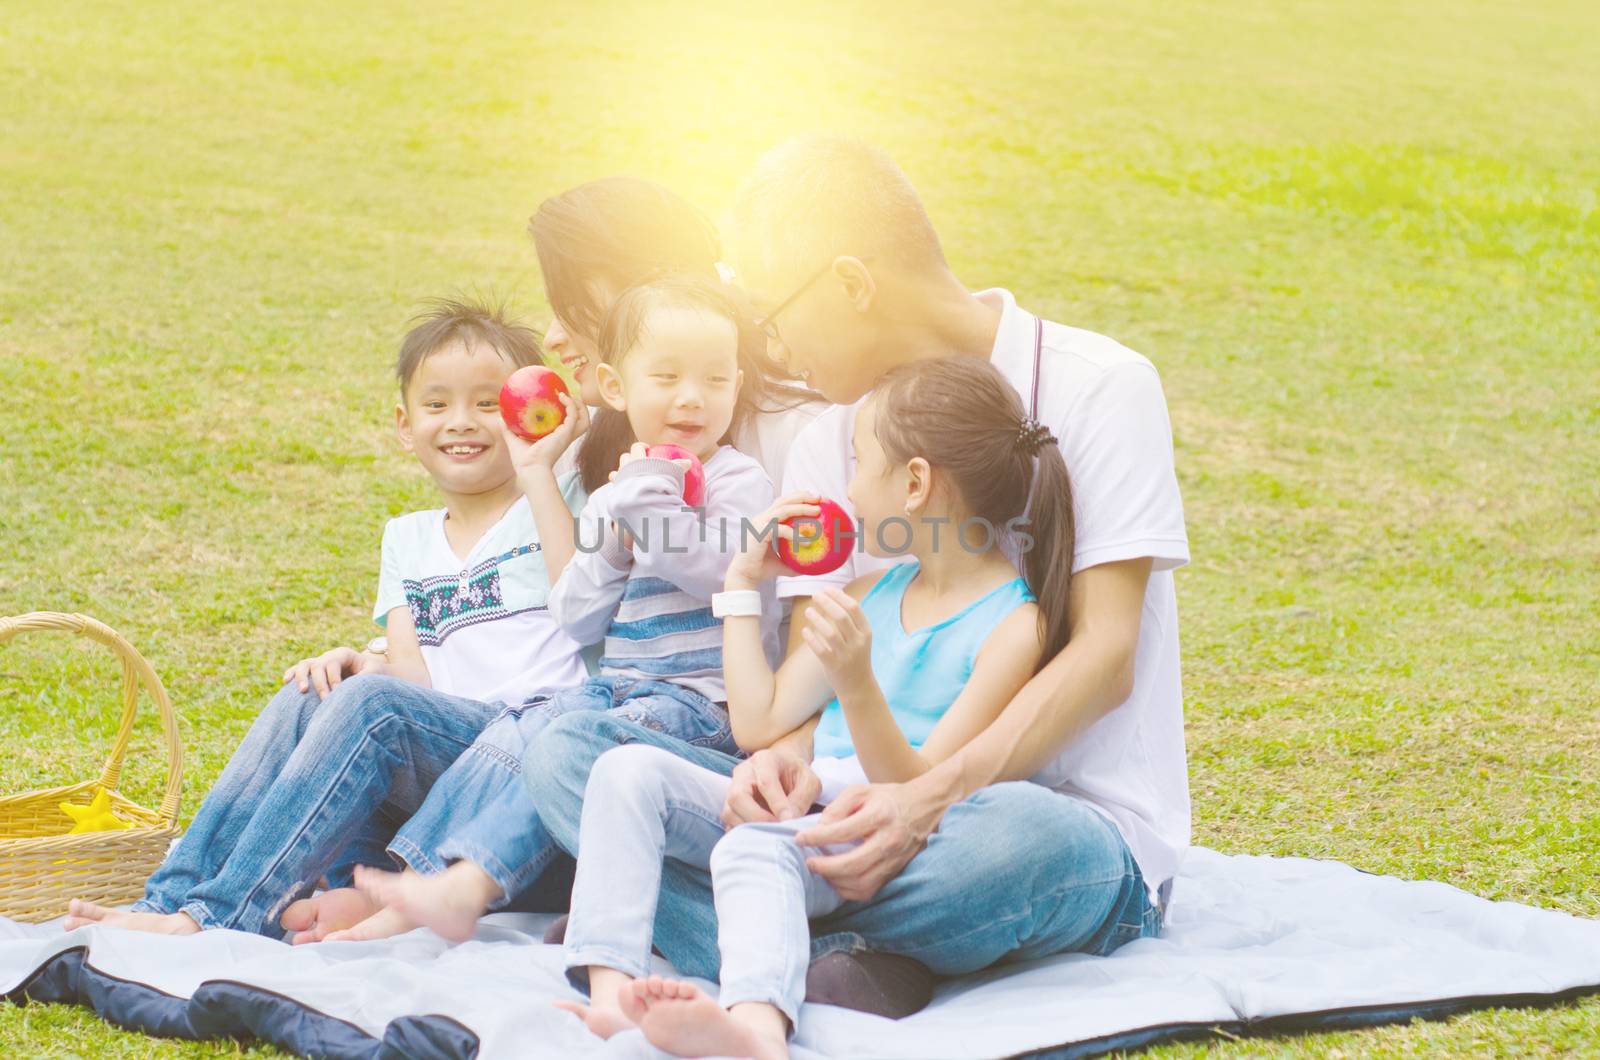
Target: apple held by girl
{"points": [[821, 542]]}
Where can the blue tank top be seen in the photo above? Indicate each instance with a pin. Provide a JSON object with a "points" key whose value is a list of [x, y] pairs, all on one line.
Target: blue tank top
{"points": [[921, 673]]}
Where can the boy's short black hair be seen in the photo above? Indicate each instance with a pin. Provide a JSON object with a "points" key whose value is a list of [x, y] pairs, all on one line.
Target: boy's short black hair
{"points": [[450, 320]]}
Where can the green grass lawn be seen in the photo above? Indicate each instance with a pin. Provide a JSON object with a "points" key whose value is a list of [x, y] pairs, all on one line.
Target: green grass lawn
{"points": [[1360, 240]]}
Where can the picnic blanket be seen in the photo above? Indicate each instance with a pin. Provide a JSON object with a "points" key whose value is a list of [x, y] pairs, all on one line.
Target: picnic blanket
{"points": [[1252, 945]]}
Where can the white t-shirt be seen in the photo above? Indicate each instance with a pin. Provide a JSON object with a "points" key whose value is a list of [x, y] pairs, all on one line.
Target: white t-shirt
{"points": [[483, 622], [1104, 402]]}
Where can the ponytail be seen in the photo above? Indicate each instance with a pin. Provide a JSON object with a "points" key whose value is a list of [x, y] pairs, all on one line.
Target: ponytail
{"points": [[1048, 563]]}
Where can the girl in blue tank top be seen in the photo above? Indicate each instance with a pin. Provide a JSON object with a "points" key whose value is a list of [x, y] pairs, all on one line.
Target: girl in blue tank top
{"points": [[905, 666]]}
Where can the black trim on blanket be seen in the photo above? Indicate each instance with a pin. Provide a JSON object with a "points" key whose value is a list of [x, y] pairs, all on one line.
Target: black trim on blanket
{"points": [[223, 1008], [1321, 1021]]}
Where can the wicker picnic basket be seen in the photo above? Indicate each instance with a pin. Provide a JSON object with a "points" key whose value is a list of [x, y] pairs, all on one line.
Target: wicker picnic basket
{"points": [[40, 867]]}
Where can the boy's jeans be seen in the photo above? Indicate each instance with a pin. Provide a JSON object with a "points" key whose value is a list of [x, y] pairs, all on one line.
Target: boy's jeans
{"points": [[481, 811], [1016, 871], [315, 787]]}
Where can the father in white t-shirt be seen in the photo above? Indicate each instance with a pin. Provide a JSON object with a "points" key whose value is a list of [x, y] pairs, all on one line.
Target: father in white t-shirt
{"points": [[860, 286], [959, 869]]}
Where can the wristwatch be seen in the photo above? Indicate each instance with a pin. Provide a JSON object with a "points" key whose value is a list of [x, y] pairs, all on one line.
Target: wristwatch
{"points": [[740, 603], [378, 646]]}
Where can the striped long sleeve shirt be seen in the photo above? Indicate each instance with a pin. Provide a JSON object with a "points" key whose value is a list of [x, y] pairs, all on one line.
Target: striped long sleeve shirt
{"points": [[652, 602]]}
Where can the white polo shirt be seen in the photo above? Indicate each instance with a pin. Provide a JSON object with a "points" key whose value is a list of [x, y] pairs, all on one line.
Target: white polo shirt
{"points": [[1104, 402]]}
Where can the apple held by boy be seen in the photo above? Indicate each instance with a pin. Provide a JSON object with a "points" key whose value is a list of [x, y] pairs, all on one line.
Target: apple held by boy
{"points": [[694, 477], [530, 402], [822, 542]]}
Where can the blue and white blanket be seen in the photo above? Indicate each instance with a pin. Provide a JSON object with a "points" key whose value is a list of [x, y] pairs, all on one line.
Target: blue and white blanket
{"points": [[1253, 945]]}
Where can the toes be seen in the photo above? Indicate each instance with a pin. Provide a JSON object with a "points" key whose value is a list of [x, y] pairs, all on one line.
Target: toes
{"points": [[299, 916], [632, 1005]]}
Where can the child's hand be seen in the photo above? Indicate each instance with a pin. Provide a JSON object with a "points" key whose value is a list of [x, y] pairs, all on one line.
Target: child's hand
{"points": [[527, 456], [838, 631], [758, 557], [327, 670], [637, 452]]}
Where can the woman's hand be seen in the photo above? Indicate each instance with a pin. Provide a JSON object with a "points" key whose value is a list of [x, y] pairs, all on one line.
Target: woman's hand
{"points": [[758, 556], [836, 629], [529, 456], [325, 671]]}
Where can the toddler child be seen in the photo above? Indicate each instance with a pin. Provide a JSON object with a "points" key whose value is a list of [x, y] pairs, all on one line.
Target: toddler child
{"points": [[646, 568]]}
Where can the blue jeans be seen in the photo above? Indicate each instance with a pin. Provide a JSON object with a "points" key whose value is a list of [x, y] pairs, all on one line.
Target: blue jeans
{"points": [[315, 788], [1016, 871], [481, 811]]}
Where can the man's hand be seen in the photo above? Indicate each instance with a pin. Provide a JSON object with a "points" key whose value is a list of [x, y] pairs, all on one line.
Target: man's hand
{"points": [[889, 826], [771, 785], [326, 670]]}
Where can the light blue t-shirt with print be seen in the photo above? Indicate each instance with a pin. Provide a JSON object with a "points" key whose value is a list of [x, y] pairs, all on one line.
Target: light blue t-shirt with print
{"points": [[921, 672], [483, 620]]}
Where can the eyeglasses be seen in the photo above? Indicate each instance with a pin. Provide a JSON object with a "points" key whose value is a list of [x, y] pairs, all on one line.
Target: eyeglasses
{"points": [[766, 323]]}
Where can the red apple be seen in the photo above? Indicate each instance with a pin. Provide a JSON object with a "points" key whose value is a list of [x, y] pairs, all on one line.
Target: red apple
{"points": [[530, 402], [822, 542], [694, 480]]}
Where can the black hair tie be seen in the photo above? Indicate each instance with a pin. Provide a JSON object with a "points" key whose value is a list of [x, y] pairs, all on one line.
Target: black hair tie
{"points": [[1033, 436]]}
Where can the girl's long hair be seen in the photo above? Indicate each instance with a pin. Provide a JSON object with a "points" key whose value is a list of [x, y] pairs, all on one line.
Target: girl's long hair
{"points": [[623, 232], [610, 434], [963, 417]]}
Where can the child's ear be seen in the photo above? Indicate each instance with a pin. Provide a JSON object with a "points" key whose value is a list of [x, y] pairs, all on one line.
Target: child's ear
{"points": [[610, 383], [919, 483], [402, 427]]}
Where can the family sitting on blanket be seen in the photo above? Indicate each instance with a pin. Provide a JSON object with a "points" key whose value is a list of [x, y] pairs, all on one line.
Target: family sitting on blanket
{"points": [[1000, 757]]}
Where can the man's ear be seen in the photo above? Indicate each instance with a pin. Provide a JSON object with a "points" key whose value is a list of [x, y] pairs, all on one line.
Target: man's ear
{"points": [[610, 383], [402, 427], [855, 281], [919, 484]]}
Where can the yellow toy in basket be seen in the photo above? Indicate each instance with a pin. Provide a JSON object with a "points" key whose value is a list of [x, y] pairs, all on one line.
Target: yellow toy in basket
{"points": [[95, 817], [114, 843]]}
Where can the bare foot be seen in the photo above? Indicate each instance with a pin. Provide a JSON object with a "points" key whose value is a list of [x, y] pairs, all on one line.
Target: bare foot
{"points": [[683, 1020], [314, 919], [449, 903], [80, 913], [385, 923], [600, 1020]]}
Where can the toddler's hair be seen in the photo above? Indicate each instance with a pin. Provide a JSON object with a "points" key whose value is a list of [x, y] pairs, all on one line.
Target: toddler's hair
{"points": [[963, 417], [448, 320], [610, 434]]}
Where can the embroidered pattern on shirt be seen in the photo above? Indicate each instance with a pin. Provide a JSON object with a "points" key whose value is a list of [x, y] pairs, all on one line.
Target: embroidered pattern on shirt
{"points": [[442, 604]]}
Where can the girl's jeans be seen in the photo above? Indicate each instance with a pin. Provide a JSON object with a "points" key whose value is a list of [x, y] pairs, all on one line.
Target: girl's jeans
{"points": [[1016, 871]]}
